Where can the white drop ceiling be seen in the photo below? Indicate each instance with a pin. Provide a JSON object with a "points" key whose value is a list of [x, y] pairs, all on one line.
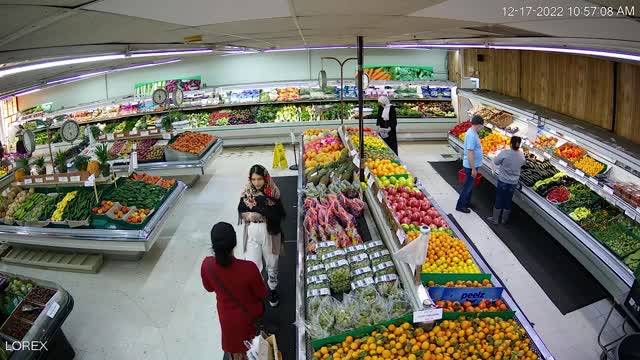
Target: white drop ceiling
{"points": [[33, 30]]}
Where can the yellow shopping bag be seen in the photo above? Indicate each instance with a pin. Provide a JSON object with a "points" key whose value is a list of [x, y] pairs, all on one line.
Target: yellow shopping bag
{"points": [[276, 157], [279, 157]]}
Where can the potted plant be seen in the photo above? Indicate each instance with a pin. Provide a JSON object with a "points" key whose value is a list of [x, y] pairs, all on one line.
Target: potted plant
{"points": [[40, 166], [102, 154], [81, 162], [61, 162]]}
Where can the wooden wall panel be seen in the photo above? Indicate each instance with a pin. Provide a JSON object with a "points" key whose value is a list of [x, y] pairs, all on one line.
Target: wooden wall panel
{"points": [[627, 115], [453, 66], [578, 86], [499, 71]]}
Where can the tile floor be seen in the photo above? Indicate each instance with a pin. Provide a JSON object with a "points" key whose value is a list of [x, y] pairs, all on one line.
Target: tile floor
{"points": [[156, 308]]}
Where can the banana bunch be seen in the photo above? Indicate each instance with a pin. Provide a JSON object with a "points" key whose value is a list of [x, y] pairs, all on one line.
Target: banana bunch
{"points": [[57, 215]]}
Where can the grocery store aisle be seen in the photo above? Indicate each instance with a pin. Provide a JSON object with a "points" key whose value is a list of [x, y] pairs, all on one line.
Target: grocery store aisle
{"points": [[570, 336], [156, 308]]}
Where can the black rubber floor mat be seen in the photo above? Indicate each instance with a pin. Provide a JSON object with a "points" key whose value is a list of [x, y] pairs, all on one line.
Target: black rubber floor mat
{"points": [[280, 320], [567, 283]]}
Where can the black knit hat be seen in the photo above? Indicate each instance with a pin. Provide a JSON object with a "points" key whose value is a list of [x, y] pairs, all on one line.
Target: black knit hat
{"points": [[477, 120]]}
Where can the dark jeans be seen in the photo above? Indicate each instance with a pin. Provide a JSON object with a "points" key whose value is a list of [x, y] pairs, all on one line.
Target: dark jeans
{"points": [[467, 188], [504, 194]]}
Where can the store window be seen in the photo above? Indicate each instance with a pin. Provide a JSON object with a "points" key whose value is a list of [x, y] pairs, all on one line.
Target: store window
{"points": [[8, 115]]}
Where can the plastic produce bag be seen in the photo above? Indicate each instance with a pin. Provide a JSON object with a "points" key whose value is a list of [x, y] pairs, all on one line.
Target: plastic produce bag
{"points": [[320, 323], [415, 252], [345, 314], [338, 273]]}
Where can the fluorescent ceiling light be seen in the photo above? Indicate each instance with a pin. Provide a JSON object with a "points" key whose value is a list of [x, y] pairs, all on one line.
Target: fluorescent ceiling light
{"points": [[323, 48], [96, 73], [239, 52], [27, 91], [49, 64], [422, 45], [603, 53], [77, 77], [169, 53]]}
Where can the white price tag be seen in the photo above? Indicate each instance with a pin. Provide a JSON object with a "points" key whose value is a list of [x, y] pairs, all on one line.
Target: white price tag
{"points": [[39, 180], [63, 179], [356, 161], [401, 236], [367, 172], [594, 181], [109, 136], [546, 155], [386, 278], [119, 135], [153, 131], [370, 181], [629, 213], [562, 163], [144, 133], [607, 190], [380, 197], [133, 132], [318, 279], [490, 125], [53, 309], [50, 178], [27, 181], [354, 248], [579, 173], [326, 244], [353, 152], [553, 131], [373, 244], [358, 258], [380, 253], [75, 178], [166, 135], [361, 271], [382, 266], [427, 315], [318, 292]]}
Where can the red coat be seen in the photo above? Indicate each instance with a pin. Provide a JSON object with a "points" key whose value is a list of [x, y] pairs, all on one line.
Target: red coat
{"points": [[243, 280]]}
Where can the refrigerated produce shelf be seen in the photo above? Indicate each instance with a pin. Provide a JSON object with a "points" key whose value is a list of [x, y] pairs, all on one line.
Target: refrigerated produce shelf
{"points": [[610, 271], [377, 208]]}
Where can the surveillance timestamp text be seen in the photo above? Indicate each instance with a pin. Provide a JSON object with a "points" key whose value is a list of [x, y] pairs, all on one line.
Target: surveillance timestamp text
{"points": [[568, 11]]}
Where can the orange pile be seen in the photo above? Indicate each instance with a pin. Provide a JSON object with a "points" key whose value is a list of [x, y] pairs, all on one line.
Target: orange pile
{"points": [[493, 142], [447, 254], [191, 142], [485, 338], [384, 167]]}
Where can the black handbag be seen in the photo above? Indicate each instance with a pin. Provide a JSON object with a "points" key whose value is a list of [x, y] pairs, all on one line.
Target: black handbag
{"points": [[257, 321]]}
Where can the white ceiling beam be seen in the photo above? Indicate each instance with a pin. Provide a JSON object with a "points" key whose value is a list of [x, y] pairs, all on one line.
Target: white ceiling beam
{"points": [[292, 10]]}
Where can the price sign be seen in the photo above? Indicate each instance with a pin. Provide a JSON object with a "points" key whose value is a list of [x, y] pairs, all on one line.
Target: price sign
{"points": [[63, 179], [166, 136], [75, 179], [563, 163], [119, 135], [427, 315], [49, 178], [353, 152], [386, 278], [367, 172], [144, 133], [53, 309], [594, 181], [608, 190], [133, 132], [27, 181], [109, 136], [401, 236], [153, 131], [370, 181], [39, 180], [546, 155], [380, 196], [490, 126], [579, 173], [356, 161]]}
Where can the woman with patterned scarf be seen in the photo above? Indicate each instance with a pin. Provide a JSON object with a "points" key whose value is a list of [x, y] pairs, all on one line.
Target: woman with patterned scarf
{"points": [[262, 212]]}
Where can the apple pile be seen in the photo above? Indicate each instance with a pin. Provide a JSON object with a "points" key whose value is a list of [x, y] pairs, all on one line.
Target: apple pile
{"points": [[412, 207]]}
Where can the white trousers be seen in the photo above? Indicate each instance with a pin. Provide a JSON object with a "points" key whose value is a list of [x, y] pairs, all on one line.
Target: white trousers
{"points": [[258, 248]]}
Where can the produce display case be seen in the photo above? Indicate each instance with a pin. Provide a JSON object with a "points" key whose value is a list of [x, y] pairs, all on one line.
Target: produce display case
{"points": [[100, 238], [35, 314], [231, 112], [397, 237], [621, 166], [394, 237], [195, 167]]}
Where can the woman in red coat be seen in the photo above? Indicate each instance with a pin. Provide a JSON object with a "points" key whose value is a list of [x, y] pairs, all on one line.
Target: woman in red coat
{"points": [[239, 290]]}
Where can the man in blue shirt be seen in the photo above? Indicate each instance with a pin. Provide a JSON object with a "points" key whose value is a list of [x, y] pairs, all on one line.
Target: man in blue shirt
{"points": [[472, 161]]}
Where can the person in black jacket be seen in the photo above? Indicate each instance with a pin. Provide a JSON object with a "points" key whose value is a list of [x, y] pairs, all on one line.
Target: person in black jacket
{"points": [[387, 123]]}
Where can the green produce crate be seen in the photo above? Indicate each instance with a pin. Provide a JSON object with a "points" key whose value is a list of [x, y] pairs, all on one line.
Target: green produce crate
{"points": [[442, 278], [356, 333], [453, 315]]}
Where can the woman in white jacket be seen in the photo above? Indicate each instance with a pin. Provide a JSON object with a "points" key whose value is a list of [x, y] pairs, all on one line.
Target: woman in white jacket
{"points": [[262, 212]]}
